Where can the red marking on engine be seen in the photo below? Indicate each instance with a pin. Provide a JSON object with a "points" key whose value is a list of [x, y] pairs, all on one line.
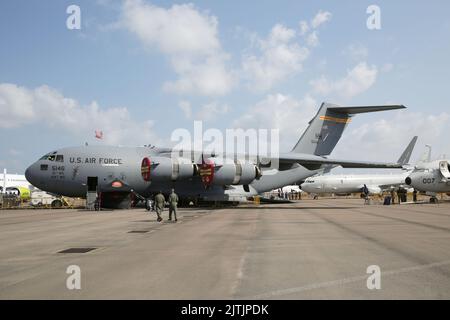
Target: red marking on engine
{"points": [[206, 172], [145, 169]]}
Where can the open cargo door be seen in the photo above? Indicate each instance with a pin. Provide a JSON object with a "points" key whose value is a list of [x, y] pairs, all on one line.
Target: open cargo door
{"points": [[444, 168]]}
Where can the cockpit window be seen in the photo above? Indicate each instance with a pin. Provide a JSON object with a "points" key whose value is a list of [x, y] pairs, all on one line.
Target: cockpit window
{"points": [[49, 156], [59, 158]]}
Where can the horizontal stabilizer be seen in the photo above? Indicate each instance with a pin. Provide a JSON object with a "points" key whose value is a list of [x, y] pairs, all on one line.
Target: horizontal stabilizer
{"points": [[365, 109]]}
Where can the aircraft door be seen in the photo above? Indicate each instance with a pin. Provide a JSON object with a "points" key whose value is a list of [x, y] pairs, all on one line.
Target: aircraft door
{"points": [[444, 169], [92, 183], [91, 194]]}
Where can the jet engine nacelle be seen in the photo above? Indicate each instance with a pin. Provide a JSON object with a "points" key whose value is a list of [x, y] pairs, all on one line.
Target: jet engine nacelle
{"points": [[422, 180], [218, 172], [167, 169]]}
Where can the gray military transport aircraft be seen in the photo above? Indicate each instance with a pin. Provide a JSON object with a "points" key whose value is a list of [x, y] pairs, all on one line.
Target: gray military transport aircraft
{"points": [[120, 174]]}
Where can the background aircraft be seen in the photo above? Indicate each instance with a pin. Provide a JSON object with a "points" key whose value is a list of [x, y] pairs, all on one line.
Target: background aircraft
{"points": [[15, 184], [432, 177], [346, 184], [119, 173]]}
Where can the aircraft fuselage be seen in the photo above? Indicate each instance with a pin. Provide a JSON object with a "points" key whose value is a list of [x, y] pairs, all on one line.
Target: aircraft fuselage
{"points": [[118, 169]]}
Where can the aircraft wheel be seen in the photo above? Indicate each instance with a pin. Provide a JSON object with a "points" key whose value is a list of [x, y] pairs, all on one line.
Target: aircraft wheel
{"points": [[56, 204]]}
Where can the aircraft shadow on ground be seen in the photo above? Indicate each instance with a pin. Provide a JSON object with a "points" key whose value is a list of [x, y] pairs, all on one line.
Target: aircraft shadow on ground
{"points": [[205, 209], [294, 208]]}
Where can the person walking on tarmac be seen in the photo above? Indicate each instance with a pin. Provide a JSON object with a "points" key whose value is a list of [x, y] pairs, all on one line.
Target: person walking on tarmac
{"points": [[173, 202], [97, 204], [365, 191], [159, 204]]}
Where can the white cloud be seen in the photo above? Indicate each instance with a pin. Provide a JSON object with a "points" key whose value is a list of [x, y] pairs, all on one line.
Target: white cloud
{"points": [[211, 111], [189, 39], [387, 67], [357, 80], [207, 77], [281, 112], [304, 27], [208, 112], [320, 18], [356, 52], [185, 106], [312, 40], [48, 107], [16, 106], [280, 57], [178, 30], [308, 30]]}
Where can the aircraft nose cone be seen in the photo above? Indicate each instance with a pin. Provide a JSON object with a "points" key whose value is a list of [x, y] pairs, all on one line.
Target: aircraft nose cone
{"points": [[30, 174], [305, 187]]}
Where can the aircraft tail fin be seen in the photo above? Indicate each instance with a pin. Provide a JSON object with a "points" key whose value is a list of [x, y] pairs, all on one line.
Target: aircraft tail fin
{"points": [[426, 157], [406, 155], [326, 128]]}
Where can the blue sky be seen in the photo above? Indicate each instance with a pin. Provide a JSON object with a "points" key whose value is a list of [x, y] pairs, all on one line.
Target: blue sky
{"points": [[140, 69]]}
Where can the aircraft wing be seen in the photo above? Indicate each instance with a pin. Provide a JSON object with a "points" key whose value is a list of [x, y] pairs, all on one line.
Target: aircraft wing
{"points": [[312, 162]]}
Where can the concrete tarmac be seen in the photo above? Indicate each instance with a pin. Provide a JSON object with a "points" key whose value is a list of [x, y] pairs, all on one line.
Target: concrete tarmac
{"points": [[304, 250]]}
